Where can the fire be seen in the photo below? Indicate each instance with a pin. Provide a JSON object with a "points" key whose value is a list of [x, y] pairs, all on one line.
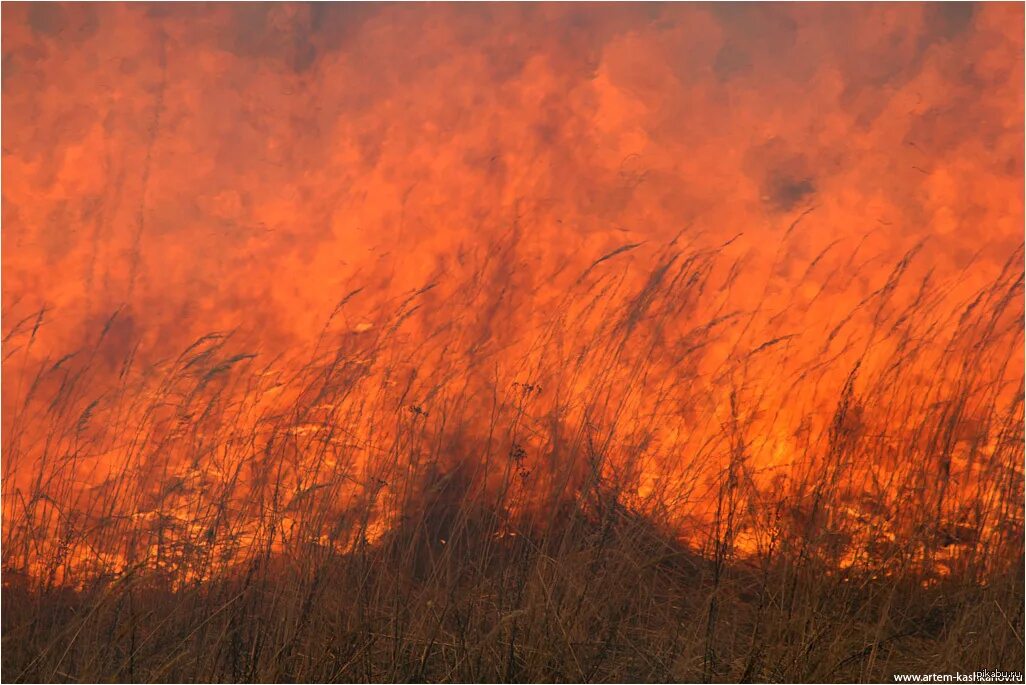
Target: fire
{"points": [[274, 275]]}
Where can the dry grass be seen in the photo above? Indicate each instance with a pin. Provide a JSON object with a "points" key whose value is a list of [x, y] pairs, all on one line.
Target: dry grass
{"points": [[634, 478]]}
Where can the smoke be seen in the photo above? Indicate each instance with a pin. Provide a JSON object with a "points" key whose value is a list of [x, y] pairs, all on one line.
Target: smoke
{"points": [[209, 167]]}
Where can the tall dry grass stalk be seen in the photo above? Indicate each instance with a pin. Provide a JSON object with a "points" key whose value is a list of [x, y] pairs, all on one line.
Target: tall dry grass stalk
{"points": [[641, 476]]}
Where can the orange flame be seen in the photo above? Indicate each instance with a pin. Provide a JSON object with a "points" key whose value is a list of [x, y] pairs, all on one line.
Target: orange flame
{"points": [[752, 269]]}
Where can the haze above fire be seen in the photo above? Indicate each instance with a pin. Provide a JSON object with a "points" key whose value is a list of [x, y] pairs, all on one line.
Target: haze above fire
{"points": [[205, 166]]}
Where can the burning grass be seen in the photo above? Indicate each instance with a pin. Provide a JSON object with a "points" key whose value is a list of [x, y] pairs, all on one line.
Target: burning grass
{"points": [[639, 477]]}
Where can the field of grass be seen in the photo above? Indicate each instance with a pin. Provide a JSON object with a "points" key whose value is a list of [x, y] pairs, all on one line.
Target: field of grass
{"points": [[645, 475]]}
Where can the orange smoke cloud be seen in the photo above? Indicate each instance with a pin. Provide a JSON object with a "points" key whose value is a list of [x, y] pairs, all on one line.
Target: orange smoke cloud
{"points": [[206, 166]]}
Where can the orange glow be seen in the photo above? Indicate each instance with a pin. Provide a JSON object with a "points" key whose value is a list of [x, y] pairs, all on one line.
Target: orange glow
{"points": [[757, 260]]}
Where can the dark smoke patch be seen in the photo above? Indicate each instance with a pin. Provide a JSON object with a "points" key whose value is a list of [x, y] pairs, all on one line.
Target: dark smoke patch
{"points": [[947, 20], [787, 179], [758, 23], [784, 192], [264, 31], [333, 25], [70, 22], [46, 18], [757, 34], [731, 60]]}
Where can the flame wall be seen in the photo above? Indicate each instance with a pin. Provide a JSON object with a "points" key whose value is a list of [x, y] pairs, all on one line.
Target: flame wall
{"points": [[244, 167]]}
